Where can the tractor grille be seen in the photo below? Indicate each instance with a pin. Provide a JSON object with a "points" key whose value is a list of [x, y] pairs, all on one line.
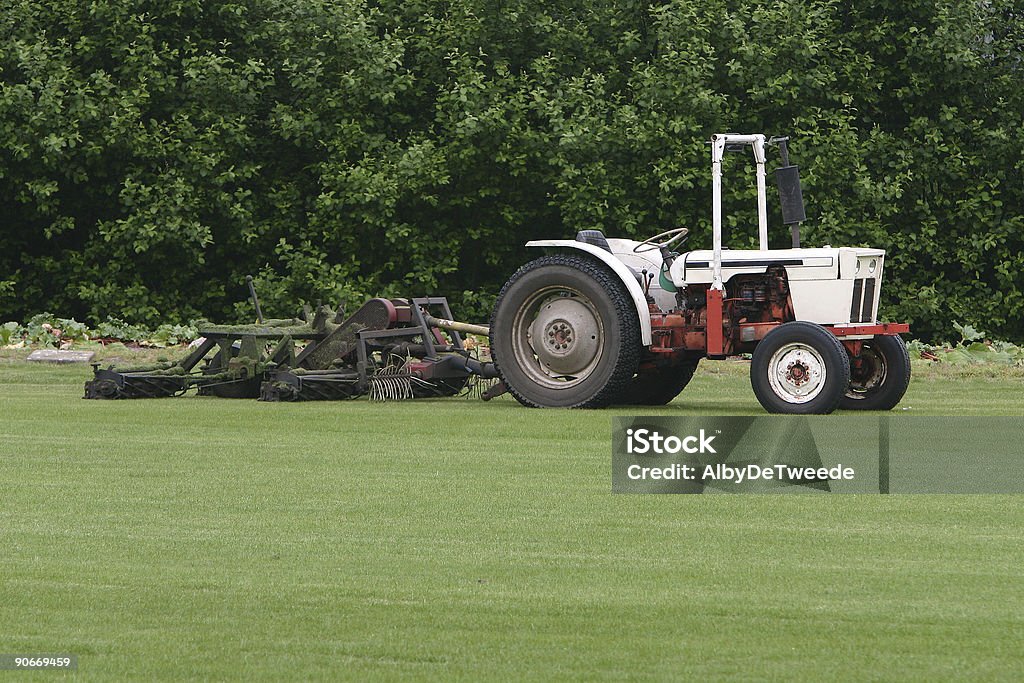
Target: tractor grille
{"points": [[863, 302]]}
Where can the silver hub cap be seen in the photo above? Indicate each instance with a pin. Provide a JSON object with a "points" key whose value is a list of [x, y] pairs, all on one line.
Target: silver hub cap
{"points": [[796, 373], [558, 337]]}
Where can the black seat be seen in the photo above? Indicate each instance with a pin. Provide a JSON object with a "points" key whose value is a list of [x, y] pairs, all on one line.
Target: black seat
{"points": [[595, 237]]}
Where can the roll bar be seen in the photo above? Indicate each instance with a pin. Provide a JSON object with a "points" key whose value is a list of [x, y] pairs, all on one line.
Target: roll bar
{"points": [[719, 141]]}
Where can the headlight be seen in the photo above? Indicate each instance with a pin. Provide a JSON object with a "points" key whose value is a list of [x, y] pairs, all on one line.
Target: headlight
{"points": [[857, 268], [872, 266]]}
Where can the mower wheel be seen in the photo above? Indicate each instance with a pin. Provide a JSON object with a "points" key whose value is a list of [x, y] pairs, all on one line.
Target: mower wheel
{"points": [[564, 333], [881, 377], [659, 387], [800, 368]]}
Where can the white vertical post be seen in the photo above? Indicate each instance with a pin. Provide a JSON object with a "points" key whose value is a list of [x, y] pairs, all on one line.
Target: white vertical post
{"points": [[762, 201], [717, 151]]}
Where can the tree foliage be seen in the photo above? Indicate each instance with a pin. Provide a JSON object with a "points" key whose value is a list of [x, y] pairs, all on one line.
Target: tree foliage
{"points": [[153, 153]]}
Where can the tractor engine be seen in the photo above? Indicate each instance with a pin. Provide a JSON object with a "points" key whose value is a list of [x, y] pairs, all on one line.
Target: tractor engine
{"points": [[753, 306]]}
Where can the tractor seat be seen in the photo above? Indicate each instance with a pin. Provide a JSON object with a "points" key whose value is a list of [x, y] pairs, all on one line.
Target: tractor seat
{"points": [[595, 237]]}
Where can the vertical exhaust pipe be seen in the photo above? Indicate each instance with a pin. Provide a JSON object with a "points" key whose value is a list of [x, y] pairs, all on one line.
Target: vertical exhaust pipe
{"points": [[791, 197]]}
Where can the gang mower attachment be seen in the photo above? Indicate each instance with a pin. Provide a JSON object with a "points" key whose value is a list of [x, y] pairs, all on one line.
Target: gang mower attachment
{"points": [[230, 361], [402, 354], [389, 349], [600, 321]]}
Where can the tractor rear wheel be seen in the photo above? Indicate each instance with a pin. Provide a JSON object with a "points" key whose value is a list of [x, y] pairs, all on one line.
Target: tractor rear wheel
{"points": [[564, 333], [658, 387], [880, 377], [800, 368]]}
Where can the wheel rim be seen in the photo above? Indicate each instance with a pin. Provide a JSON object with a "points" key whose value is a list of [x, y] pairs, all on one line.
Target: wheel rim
{"points": [[796, 373], [558, 337], [870, 376]]}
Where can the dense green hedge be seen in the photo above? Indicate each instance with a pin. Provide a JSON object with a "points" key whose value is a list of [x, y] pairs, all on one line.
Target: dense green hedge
{"points": [[153, 153]]}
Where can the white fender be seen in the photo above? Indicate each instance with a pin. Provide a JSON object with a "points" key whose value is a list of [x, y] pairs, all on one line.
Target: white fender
{"points": [[620, 269]]}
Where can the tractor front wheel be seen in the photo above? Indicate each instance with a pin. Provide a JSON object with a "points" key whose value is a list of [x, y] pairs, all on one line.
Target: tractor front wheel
{"points": [[879, 376], [800, 368], [564, 333]]}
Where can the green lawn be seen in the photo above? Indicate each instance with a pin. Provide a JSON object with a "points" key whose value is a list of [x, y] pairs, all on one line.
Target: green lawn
{"points": [[216, 539]]}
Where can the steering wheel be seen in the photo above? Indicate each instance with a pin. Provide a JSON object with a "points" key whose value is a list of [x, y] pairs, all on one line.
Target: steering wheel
{"points": [[674, 236]]}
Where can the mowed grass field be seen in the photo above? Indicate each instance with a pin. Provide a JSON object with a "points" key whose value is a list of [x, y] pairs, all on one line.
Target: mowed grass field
{"points": [[202, 538]]}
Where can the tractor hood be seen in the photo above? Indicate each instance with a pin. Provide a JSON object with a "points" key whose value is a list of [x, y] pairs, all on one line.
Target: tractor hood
{"points": [[829, 286], [824, 263]]}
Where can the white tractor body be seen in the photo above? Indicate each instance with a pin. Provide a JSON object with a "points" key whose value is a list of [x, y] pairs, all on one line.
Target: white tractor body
{"points": [[829, 285]]}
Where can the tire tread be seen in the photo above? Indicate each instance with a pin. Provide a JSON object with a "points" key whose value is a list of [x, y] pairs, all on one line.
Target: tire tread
{"points": [[821, 404], [660, 389], [890, 394], [629, 328]]}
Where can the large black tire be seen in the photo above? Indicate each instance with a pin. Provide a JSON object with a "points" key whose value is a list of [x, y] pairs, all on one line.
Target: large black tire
{"points": [[587, 323], [800, 368], [882, 377], [658, 388]]}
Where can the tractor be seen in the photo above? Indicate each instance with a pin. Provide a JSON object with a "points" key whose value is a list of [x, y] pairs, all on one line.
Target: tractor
{"points": [[600, 321]]}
